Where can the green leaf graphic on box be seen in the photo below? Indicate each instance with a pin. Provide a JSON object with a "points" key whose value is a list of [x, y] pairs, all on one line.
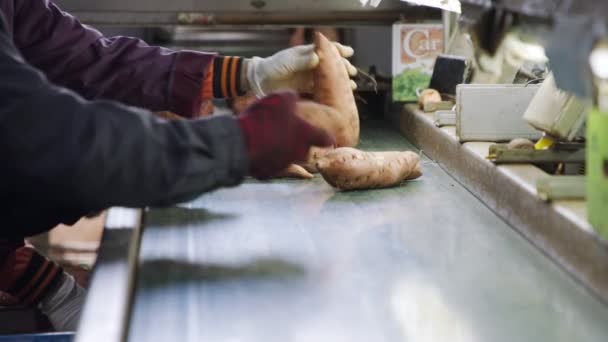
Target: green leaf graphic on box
{"points": [[406, 84]]}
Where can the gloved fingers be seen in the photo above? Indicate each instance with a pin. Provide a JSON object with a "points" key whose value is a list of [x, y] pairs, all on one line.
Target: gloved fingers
{"points": [[345, 51], [302, 49], [300, 58], [352, 71]]}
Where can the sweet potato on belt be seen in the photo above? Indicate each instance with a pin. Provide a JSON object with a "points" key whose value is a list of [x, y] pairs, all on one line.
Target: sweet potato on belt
{"points": [[348, 168], [333, 88], [320, 116], [334, 109]]}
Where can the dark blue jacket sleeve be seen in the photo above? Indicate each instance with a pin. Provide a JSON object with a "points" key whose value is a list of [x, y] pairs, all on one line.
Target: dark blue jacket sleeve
{"points": [[61, 152]]}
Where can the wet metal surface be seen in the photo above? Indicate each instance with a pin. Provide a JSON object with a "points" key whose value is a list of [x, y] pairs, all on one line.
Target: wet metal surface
{"points": [[298, 261]]}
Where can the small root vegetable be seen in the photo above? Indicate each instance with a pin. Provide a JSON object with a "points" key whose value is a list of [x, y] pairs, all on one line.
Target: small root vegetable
{"points": [[333, 88], [520, 144], [295, 171], [428, 96], [348, 168]]}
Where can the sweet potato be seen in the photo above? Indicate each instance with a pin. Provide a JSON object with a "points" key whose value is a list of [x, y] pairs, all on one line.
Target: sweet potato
{"points": [[348, 168], [295, 171], [427, 96], [333, 88], [324, 117], [321, 116], [314, 154]]}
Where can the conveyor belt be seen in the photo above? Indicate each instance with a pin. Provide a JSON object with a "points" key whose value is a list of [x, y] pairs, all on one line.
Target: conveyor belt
{"points": [[297, 261]]}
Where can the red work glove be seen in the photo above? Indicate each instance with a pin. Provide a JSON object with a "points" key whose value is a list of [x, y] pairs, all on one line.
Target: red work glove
{"points": [[276, 137]]}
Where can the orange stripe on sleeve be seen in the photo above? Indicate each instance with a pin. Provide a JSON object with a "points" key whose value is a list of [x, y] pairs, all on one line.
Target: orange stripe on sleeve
{"points": [[224, 77], [33, 281], [43, 285]]}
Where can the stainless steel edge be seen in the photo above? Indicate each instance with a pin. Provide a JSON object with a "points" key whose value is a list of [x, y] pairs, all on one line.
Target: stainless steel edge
{"points": [[107, 308], [574, 247]]}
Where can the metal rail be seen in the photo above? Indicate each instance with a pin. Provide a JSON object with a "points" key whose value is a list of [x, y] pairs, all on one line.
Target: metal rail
{"points": [[239, 12], [107, 309], [571, 243]]}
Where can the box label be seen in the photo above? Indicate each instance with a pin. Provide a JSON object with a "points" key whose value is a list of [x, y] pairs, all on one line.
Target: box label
{"points": [[415, 49]]}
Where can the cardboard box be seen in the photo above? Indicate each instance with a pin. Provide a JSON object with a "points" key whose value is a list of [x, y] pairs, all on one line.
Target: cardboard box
{"points": [[415, 49], [494, 112]]}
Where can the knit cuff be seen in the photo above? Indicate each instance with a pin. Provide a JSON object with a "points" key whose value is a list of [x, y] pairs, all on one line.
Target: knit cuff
{"points": [[226, 77], [31, 274]]}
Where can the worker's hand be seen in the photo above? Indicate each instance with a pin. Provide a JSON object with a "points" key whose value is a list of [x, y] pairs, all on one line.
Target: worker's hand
{"points": [[276, 137], [63, 304], [290, 69]]}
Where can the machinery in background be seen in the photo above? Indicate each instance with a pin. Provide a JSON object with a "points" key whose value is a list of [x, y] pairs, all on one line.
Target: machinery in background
{"points": [[242, 13], [229, 41], [505, 47], [558, 114], [569, 33]]}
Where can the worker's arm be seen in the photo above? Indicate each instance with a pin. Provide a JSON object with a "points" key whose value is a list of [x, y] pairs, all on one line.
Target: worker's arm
{"points": [[128, 70], [63, 155], [60, 151], [124, 69]]}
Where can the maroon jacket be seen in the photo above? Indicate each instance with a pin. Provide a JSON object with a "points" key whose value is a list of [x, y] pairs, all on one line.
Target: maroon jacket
{"points": [[125, 69]]}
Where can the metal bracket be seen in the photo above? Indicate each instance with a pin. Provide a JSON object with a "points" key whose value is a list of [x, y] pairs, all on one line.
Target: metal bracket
{"points": [[560, 153], [552, 188], [445, 118], [435, 106]]}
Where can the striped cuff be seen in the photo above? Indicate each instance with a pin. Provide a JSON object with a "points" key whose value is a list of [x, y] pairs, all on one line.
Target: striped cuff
{"points": [[33, 275], [227, 76]]}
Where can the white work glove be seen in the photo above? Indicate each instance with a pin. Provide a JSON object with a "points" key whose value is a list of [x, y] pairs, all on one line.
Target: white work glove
{"points": [[63, 304], [290, 69]]}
